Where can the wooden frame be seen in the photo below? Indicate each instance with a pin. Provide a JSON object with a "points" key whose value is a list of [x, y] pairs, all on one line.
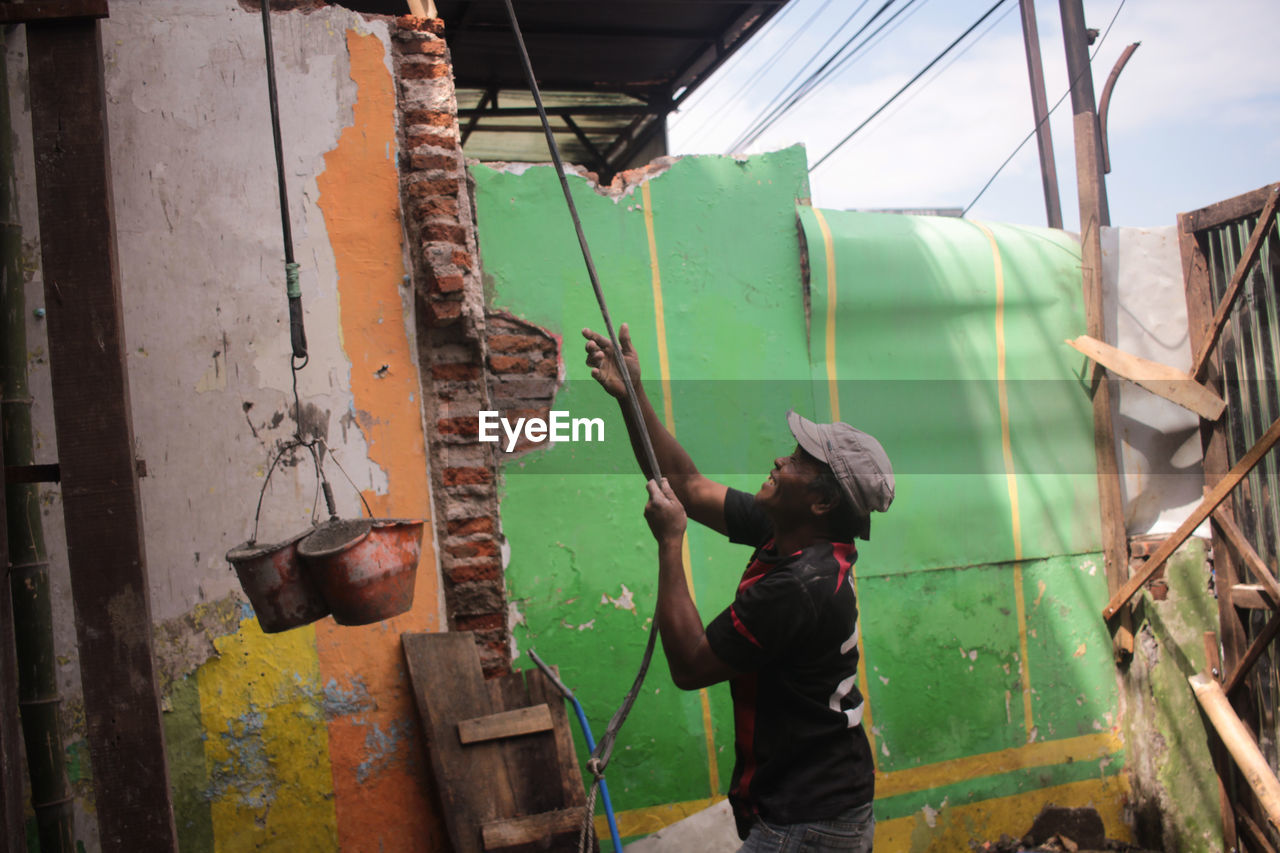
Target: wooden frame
{"points": [[1206, 322]]}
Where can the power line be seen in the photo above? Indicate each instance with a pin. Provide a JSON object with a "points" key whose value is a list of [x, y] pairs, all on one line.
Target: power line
{"points": [[909, 83], [1027, 138], [763, 69], [774, 111]]}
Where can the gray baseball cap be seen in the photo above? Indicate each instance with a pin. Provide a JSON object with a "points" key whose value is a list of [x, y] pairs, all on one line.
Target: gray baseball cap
{"points": [[859, 462]]}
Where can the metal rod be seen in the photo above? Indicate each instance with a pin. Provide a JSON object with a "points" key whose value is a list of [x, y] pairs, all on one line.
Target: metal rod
{"points": [[1105, 102]]}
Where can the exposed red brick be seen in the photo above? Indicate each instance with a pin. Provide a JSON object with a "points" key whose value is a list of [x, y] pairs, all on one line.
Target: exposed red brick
{"points": [[420, 137], [472, 549], [435, 187], [448, 284], [445, 231], [547, 367], [519, 343], [423, 70], [461, 258], [428, 161], [467, 476], [469, 526], [484, 621], [442, 313], [455, 372], [458, 426], [413, 23], [431, 47], [430, 118], [444, 205], [510, 363], [473, 573]]}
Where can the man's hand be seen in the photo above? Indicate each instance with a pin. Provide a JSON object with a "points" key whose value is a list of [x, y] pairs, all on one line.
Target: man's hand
{"points": [[604, 368], [664, 513]]}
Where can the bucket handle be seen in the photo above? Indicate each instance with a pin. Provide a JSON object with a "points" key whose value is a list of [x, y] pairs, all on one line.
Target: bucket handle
{"points": [[328, 491], [315, 459]]}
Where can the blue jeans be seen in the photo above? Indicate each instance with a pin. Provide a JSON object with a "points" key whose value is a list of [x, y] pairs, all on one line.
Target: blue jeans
{"points": [[851, 832]]}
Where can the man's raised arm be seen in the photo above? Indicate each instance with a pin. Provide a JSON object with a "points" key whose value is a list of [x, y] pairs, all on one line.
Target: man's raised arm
{"points": [[703, 499]]}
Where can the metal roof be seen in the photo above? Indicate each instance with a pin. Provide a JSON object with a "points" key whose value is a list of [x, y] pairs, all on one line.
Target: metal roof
{"points": [[609, 71]]}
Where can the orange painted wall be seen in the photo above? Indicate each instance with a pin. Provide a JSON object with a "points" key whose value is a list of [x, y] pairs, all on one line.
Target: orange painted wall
{"points": [[380, 776]]}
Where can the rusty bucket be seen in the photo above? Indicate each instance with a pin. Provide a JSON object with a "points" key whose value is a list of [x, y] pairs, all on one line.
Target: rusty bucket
{"points": [[365, 569], [282, 595]]}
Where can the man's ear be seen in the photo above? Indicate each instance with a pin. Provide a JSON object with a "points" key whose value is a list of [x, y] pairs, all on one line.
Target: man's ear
{"points": [[822, 508]]}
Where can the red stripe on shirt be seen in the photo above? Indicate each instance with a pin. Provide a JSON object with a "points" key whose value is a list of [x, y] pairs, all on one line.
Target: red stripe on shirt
{"points": [[742, 629], [846, 555]]}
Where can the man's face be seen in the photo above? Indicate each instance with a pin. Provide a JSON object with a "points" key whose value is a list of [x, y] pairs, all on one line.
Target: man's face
{"points": [[787, 488]]}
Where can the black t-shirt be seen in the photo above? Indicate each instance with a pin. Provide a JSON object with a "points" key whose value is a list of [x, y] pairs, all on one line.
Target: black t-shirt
{"points": [[792, 630]]}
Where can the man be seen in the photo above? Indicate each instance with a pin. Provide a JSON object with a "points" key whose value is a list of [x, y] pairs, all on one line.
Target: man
{"points": [[803, 779]]}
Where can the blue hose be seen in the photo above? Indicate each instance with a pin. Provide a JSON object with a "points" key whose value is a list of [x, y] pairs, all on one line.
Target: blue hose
{"points": [[591, 745]]}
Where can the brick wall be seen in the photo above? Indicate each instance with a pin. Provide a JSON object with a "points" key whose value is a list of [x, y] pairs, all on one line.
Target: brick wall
{"points": [[470, 360]]}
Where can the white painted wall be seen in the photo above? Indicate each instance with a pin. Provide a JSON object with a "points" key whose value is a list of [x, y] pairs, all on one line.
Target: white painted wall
{"points": [[1145, 313]]}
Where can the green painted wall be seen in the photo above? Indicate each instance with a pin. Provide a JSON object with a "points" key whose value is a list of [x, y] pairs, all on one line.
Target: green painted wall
{"points": [[955, 596]]}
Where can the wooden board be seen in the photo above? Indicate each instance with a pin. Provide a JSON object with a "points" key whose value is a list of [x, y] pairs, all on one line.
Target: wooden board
{"points": [[1241, 745], [506, 724], [101, 501], [516, 832], [485, 778], [22, 11], [1160, 379]]}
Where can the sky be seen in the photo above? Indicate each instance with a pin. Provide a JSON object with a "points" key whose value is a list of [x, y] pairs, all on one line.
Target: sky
{"points": [[1194, 117]]}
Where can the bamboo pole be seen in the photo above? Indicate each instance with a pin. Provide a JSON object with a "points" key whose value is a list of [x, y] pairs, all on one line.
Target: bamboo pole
{"points": [[1253, 766], [28, 579]]}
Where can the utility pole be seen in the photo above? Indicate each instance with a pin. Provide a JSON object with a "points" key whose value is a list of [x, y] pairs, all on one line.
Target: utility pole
{"points": [[1093, 216], [1040, 108], [1076, 40]]}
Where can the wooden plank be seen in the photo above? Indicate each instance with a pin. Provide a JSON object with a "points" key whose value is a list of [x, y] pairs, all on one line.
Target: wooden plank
{"points": [[1115, 539], [1266, 222], [1160, 379], [505, 724], [1218, 752], [1201, 512], [1253, 596], [449, 687], [514, 832], [531, 761], [1236, 537], [101, 502], [1225, 211], [22, 11], [542, 689], [1240, 744], [1256, 835], [1213, 438], [1259, 645]]}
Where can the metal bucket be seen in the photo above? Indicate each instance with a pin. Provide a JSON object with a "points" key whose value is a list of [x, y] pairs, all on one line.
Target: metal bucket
{"points": [[366, 568], [282, 595]]}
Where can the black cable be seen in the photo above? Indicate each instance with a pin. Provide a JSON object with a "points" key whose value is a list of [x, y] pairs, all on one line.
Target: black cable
{"points": [[1048, 113], [763, 69], [297, 333], [909, 83], [636, 412], [604, 747], [771, 113]]}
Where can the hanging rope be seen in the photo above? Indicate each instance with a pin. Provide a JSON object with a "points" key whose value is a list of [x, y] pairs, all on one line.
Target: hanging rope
{"points": [[604, 748]]}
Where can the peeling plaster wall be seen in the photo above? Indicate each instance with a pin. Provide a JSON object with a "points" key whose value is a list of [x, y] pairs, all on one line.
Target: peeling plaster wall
{"points": [[306, 739]]}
